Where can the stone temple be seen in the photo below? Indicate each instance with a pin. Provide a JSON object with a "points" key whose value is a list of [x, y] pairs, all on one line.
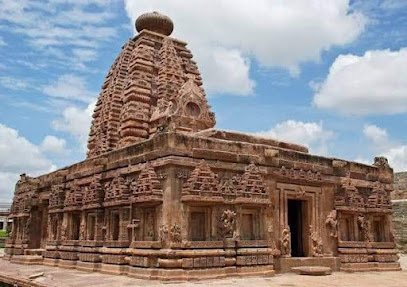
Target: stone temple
{"points": [[164, 195]]}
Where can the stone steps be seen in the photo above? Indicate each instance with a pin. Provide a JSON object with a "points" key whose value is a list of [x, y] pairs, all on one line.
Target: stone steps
{"points": [[34, 252], [286, 264], [370, 266], [27, 259], [312, 270]]}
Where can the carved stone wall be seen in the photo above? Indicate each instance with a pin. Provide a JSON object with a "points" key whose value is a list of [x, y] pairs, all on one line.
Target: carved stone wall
{"points": [[400, 223], [399, 201]]}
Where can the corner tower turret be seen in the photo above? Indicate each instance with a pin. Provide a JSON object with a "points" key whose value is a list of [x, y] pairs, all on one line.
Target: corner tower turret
{"points": [[154, 85]]}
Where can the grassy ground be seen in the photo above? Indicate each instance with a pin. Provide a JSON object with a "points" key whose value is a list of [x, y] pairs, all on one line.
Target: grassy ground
{"points": [[3, 233]]}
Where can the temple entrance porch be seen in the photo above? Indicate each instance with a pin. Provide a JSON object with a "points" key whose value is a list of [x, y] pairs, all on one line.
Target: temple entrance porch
{"points": [[302, 229], [300, 220]]}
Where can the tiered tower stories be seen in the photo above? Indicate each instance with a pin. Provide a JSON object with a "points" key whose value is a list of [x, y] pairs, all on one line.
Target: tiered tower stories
{"points": [[153, 85]]}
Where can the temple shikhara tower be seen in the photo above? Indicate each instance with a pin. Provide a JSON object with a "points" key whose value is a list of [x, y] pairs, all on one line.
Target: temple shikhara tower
{"points": [[164, 195]]}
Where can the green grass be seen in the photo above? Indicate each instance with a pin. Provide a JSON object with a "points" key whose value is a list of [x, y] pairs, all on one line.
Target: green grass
{"points": [[3, 233]]}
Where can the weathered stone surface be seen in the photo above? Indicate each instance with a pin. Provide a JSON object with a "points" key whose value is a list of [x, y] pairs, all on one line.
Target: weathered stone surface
{"points": [[312, 270], [400, 186], [399, 201]]}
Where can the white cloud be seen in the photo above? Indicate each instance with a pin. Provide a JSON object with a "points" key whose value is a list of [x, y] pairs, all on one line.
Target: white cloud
{"points": [[7, 184], [382, 145], [227, 68], [2, 42], [393, 4], [70, 87], [53, 145], [85, 55], [377, 135], [76, 122], [311, 134], [397, 157], [18, 156], [276, 33], [38, 107], [363, 160], [30, 64], [78, 15], [374, 83], [50, 25], [13, 83]]}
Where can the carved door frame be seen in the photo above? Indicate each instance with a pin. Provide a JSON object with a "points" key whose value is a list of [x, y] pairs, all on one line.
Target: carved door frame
{"points": [[311, 195]]}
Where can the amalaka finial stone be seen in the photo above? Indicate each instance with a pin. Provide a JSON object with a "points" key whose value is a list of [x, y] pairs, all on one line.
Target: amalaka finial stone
{"points": [[155, 22]]}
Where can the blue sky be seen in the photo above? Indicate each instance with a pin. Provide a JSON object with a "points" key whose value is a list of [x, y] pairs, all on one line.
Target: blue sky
{"points": [[331, 75]]}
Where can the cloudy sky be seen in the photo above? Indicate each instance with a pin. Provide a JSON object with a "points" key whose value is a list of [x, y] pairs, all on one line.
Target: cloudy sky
{"points": [[331, 75]]}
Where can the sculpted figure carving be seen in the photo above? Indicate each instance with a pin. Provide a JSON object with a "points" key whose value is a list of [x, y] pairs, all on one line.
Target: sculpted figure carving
{"points": [[82, 235], [301, 191], [27, 228], [381, 161], [175, 233], [163, 234], [228, 224], [64, 232], [392, 236], [286, 242], [317, 246], [361, 222], [365, 227], [332, 223], [368, 233]]}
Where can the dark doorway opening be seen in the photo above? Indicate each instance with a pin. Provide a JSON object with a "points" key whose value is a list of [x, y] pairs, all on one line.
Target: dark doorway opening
{"points": [[75, 226], [115, 225], [295, 221], [35, 228], [198, 226]]}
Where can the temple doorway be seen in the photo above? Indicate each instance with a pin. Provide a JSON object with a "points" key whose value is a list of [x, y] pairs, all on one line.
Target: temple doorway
{"points": [[296, 223], [38, 227]]}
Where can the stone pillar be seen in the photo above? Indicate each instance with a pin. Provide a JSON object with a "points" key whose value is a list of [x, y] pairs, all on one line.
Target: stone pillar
{"points": [[26, 222], [124, 222], [64, 227], [100, 222], [82, 228], [171, 207]]}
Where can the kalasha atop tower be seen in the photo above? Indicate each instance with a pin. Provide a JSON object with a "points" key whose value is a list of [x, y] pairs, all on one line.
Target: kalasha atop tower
{"points": [[153, 85], [164, 195]]}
